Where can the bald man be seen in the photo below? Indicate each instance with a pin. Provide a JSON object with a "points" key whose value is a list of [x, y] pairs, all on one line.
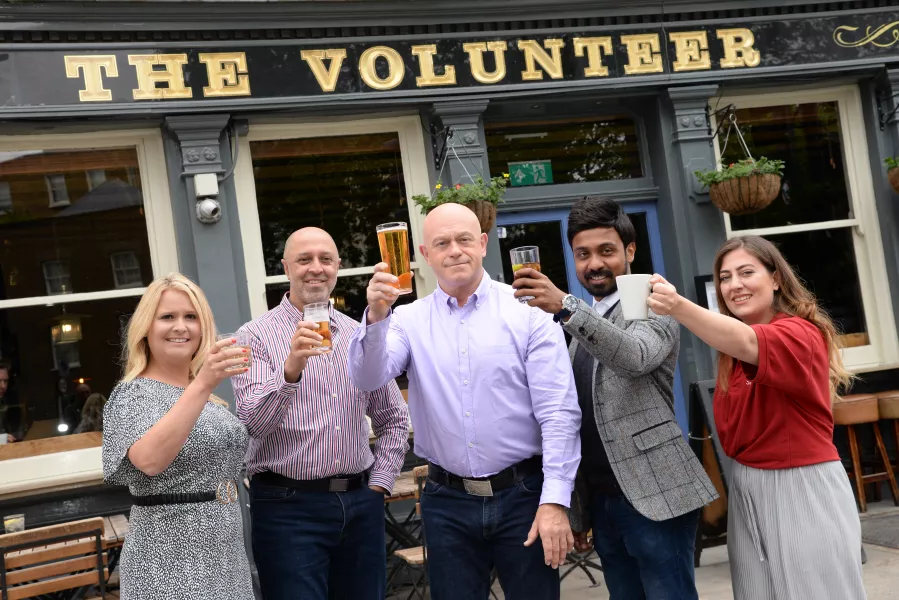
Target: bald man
{"points": [[316, 488], [495, 413]]}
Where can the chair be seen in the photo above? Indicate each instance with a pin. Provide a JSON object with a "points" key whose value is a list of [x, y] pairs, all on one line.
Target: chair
{"points": [[414, 561], [584, 562], [862, 409], [888, 407], [42, 561]]}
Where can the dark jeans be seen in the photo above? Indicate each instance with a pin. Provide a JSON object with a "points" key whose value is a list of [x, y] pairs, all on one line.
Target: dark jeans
{"points": [[644, 559], [467, 536], [319, 545]]}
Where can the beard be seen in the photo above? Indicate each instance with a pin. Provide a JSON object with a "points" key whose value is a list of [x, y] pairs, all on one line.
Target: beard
{"points": [[600, 289]]}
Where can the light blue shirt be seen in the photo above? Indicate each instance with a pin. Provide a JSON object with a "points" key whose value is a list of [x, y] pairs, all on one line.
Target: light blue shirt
{"points": [[490, 383]]}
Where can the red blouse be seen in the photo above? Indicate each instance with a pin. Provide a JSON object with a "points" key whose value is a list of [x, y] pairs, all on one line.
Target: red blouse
{"points": [[778, 415]]}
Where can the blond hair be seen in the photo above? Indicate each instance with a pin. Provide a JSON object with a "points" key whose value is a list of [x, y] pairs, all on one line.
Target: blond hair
{"points": [[792, 299], [136, 350]]}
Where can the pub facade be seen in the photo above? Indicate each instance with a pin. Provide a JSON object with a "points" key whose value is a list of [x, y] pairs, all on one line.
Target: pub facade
{"points": [[141, 138]]}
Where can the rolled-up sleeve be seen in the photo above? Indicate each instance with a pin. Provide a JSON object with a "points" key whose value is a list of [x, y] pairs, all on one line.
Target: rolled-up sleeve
{"points": [[378, 353], [554, 398]]}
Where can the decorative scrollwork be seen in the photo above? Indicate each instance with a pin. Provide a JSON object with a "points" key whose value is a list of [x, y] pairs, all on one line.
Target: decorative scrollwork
{"points": [[872, 36]]}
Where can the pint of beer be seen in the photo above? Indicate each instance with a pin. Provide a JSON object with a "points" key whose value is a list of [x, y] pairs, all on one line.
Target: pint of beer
{"points": [[243, 341], [393, 239], [526, 257], [318, 313]]}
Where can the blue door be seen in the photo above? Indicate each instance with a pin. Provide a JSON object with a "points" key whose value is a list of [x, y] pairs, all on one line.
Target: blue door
{"points": [[548, 229]]}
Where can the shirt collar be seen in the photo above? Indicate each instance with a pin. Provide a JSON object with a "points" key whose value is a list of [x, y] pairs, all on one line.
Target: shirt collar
{"points": [[603, 306], [478, 297]]}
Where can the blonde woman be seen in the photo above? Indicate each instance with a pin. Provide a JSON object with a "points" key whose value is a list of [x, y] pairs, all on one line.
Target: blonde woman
{"points": [[793, 529], [178, 450]]}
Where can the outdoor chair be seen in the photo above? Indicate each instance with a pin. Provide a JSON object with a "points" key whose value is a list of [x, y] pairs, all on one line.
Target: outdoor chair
{"points": [[414, 561]]}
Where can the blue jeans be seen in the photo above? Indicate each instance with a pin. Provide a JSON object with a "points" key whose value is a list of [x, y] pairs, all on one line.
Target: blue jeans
{"points": [[318, 545], [644, 559], [467, 536]]}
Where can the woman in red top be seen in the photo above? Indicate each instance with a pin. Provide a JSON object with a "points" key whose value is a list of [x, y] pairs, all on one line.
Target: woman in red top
{"points": [[793, 528]]}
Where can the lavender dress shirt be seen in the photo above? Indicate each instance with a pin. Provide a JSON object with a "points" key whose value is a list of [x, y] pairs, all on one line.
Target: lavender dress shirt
{"points": [[490, 383]]}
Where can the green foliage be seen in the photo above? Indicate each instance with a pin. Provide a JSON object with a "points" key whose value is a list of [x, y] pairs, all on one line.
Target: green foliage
{"points": [[892, 162], [742, 168], [492, 192]]}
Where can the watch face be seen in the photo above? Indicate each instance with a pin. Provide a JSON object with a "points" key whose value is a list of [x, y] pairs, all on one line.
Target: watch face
{"points": [[569, 302]]}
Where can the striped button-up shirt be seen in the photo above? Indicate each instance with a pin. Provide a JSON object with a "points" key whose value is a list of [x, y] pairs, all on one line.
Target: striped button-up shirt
{"points": [[316, 427]]}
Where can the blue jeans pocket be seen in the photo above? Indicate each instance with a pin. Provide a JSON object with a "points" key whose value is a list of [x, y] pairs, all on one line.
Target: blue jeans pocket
{"points": [[532, 484], [431, 487], [271, 493]]}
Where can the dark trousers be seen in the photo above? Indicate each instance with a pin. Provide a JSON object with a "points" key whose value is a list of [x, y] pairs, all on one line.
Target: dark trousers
{"points": [[467, 536], [644, 559], [318, 545]]}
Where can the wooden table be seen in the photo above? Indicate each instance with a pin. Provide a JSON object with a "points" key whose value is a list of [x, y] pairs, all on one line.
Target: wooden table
{"points": [[403, 489]]}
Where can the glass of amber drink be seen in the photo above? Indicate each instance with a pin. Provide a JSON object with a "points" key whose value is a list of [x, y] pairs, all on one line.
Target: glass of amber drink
{"points": [[318, 313], [525, 257], [393, 239], [243, 341]]}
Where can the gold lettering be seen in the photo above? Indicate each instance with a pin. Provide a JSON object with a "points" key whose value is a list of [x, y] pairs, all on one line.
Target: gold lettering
{"points": [[738, 50], [148, 78], [595, 48], [691, 49], [476, 51], [396, 70], [427, 78], [326, 78], [227, 74], [643, 54], [92, 66], [534, 54]]}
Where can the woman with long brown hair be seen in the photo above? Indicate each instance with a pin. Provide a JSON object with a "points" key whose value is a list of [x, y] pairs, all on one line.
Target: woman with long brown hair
{"points": [[179, 450], [793, 528]]}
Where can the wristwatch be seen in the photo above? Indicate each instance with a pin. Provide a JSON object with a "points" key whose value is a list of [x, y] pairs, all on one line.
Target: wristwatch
{"points": [[569, 306]]}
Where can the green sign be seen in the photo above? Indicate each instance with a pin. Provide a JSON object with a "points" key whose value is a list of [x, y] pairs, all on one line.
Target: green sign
{"points": [[538, 172]]}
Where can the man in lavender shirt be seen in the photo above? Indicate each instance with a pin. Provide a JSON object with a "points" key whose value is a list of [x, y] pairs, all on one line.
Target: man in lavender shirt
{"points": [[495, 412]]}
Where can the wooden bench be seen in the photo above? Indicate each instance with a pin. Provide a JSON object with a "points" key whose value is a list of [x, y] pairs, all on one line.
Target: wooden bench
{"points": [[61, 557]]}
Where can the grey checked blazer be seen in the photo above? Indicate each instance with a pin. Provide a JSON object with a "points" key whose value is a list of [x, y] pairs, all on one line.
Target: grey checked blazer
{"points": [[633, 404]]}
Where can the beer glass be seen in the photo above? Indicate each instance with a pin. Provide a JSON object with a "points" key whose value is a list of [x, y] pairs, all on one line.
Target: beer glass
{"points": [[393, 239], [243, 341], [526, 257], [318, 313], [14, 523]]}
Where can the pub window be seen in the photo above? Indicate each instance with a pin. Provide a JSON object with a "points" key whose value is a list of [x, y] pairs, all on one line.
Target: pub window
{"points": [[5, 198], [57, 190], [95, 178], [557, 151], [825, 220], [65, 355], [126, 270], [57, 277]]}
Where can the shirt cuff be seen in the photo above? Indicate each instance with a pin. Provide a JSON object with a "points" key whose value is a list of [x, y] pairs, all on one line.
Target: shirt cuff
{"points": [[284, 387], [556, 491], [376, 330], [383, 479]]}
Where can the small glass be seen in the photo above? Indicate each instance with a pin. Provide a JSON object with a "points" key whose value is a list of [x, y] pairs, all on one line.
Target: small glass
{"points": [[525, 257], [14, 523], [393, 240], [243, 341], [318, 313]]}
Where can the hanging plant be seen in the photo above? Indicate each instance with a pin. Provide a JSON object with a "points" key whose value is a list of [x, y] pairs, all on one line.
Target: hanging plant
{"points": [[480, 196], [744, 187], [893, 172]]}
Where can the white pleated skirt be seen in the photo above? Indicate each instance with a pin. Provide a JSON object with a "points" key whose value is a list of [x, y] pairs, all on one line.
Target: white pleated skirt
{"points": [[794, 534]]}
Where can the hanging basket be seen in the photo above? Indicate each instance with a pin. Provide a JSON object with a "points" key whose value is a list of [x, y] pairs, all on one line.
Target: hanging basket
{"points": [[486, 213], [745, 195], [893, 175]]}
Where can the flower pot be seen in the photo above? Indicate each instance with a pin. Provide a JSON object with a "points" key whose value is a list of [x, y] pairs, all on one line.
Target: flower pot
{"points": [[486, 213], [745, 195], [893, 174]]}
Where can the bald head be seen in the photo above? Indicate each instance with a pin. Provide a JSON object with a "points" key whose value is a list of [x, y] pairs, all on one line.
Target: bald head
{"points": [[310, 263], [305, 236], [450, 215], [455, 248]]}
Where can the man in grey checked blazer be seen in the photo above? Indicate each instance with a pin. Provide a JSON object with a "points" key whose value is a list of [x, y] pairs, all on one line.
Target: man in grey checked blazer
{"points": [[639, 486]]}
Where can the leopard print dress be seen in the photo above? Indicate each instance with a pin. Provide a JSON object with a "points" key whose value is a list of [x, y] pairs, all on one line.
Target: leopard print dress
{"points": [[178, 551]]}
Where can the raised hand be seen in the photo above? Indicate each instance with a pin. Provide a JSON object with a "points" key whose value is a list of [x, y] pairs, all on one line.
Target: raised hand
{"points": [[381, 293]]}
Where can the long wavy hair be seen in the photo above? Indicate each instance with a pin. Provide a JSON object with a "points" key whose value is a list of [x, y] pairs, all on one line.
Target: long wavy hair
{"points": [[136, 350], [792, 298]]}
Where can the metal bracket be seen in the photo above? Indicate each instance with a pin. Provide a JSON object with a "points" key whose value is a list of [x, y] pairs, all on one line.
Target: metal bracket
{"points": [[728, 111], [440, 143], [887, 118]]}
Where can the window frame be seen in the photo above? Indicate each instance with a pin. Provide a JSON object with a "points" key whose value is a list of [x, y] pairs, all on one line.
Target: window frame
{"points": [[90, 182], [413, 152], [115, 270], [56, 202], [883, 350], [48, 277]]}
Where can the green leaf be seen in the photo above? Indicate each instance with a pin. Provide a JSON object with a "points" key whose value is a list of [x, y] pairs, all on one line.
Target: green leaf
{"points": [[492, 192], [742, 168]]}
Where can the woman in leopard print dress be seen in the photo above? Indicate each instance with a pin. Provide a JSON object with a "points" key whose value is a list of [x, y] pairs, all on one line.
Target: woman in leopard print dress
{"points": [[179, 450]]}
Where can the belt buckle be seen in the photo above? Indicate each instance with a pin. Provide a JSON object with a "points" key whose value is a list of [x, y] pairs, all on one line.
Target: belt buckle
{"points": [[478, 488], [230, 493], [338, 485]]}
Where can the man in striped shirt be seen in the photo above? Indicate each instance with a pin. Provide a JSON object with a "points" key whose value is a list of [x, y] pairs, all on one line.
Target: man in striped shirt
{"points": [[317, 490]]}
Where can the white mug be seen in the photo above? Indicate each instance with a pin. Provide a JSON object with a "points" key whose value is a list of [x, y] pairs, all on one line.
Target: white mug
{"points": [[634, 292], [4, 437]]}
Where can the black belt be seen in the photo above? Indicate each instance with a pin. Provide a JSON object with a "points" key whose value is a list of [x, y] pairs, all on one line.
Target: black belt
{"points": [[340, 483], [225, 494], [486, 486]]}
